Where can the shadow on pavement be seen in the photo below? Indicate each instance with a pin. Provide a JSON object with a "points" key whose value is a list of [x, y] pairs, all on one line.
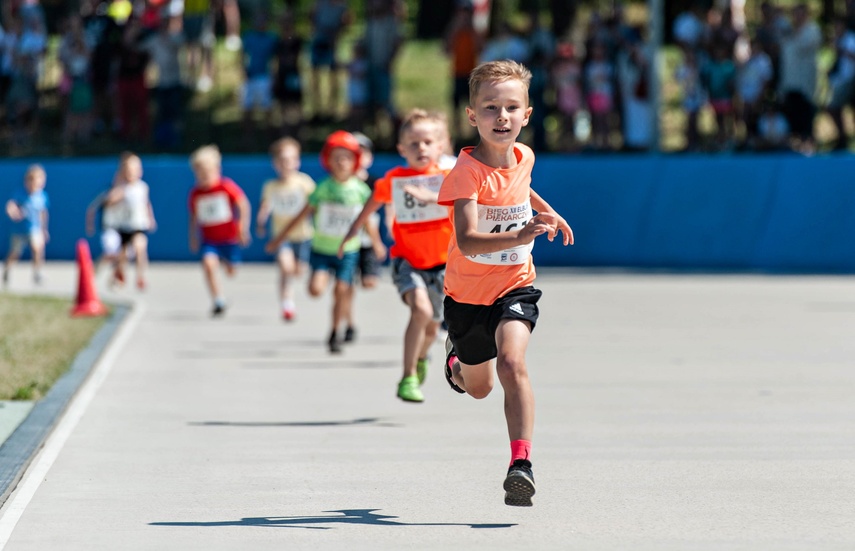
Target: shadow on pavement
{"points": [[345, 516], [366, 421]]}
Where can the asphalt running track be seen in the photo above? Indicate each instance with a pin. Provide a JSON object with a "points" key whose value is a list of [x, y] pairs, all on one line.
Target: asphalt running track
{"points": [[673, 412]]}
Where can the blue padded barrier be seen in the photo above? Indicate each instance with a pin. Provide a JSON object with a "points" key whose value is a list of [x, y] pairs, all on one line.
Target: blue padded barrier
{"points": [[767, 213]]}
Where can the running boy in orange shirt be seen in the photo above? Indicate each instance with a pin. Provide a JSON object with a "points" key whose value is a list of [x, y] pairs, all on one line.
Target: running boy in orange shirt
{"points": [[491, 305], [421, 231]]}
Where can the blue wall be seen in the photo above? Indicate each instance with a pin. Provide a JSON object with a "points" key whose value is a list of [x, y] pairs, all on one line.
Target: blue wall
{"points": [[770, 213]]}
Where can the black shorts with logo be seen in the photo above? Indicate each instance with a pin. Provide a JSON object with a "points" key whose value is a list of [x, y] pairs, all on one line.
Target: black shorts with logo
{"points": [[472, 327]]}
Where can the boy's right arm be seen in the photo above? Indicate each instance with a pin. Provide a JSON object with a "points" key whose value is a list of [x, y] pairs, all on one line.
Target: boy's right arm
{"points": [[471, 242], [193, 235], [13, 211], [261, 219], [274, 243], [368, 209]]}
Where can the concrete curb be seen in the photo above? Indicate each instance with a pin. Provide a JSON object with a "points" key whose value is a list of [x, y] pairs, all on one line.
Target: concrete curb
{"points": [[18, 450]]}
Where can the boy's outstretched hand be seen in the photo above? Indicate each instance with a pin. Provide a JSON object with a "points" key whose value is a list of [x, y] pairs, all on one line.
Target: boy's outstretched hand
{"points": [[562, 226], [271, 246], [548, 223]]}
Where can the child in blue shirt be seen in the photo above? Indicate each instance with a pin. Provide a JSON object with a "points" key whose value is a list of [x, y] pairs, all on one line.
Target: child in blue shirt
{"points": [[28, 210]]}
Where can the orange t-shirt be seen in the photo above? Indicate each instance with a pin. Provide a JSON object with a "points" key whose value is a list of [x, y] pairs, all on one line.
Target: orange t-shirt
{"points": [[504, 204], [421, 231]]}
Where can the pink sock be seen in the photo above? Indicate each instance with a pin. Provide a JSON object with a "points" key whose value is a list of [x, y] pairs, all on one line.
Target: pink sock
{"points": [[520, 449]]}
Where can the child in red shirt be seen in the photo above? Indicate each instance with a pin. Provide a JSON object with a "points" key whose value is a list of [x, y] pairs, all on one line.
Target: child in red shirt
{"points": [[220, 214]]}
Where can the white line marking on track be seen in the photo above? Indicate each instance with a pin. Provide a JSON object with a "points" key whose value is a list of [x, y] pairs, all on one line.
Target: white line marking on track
{"points": [[14, 507]]}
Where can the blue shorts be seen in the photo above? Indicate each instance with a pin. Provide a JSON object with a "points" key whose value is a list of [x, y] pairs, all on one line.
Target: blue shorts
{"points": [[302, 249], [229, 252], [344, 268]]}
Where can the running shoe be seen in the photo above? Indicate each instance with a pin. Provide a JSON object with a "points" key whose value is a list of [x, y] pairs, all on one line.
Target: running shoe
{"points": [[219, 309], [350, 334], [409, 391], [5, 277], [519, 484], [288, 314], [334, 343], [450, 358], [141, 284], [421, 369], [119, 275]]}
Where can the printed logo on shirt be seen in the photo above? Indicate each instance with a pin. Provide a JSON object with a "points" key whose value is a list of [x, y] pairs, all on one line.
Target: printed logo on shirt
{"points": [[516, 309], [495, 219], [408, 209]]}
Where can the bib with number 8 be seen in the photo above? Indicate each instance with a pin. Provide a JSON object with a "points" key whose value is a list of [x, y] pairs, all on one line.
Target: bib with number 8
{"points": [[408, 209]]}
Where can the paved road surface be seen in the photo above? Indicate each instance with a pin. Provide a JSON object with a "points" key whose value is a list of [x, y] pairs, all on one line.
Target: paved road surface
{"points": [[673, 412]]}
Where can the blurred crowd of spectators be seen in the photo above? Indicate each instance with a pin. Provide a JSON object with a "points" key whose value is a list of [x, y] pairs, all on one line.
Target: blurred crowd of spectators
{"points": [[128, 67], [761, 82]]}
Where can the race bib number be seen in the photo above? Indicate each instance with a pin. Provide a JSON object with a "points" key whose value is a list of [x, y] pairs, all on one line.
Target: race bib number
{"points": [[334, 220], [213, 209], [408, 209], [503, 219], [287, 204]]}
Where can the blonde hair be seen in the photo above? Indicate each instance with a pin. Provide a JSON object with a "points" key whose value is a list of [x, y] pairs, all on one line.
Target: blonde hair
{"points": [[413, 117], [35, 169], [206, 153], [125, 156], [497, 71], [283, 143]]}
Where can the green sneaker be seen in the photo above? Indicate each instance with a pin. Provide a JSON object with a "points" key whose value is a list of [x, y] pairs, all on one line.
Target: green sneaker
{"points": [[421, 369], [409, 391]]}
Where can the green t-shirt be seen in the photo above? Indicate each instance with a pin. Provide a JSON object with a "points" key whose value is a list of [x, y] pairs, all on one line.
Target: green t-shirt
{"points": [[336, 207]]}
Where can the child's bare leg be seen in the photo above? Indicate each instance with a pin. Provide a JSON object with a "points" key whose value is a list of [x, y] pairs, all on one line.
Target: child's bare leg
{"points": [[431, 332], [476, 380], [318, 282], [11, 258], [140, 245], [37, 246], [287, 269], [210, 264], [342, 301], [512, 338], [421, 316]]}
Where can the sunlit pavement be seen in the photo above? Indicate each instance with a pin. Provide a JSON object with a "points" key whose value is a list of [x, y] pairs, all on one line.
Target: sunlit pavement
{"points": [[673, 412]]}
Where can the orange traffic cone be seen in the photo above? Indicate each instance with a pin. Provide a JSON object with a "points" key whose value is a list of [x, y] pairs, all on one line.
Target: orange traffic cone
{"points": [[88, 303]]}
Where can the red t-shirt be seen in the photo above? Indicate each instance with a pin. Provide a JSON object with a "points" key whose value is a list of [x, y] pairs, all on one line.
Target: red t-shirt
{"points": [[215, 211], [421, 231]]}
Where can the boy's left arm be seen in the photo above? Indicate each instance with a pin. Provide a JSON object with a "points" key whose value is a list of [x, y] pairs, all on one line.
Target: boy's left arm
{"points": [[45, 219], [245, 217], [540, 205]]}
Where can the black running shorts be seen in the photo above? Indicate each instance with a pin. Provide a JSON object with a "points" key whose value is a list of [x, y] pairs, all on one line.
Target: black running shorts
{"points": [[472, 327]]}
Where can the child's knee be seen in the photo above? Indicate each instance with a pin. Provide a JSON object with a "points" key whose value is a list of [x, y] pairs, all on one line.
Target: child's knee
{"points": [[479, 390], [511, 367]]}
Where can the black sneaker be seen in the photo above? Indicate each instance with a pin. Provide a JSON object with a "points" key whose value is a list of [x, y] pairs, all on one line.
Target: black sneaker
{"points": [[334, 343], [350, 334], [218, 310], [449, 354], [519, 484]]}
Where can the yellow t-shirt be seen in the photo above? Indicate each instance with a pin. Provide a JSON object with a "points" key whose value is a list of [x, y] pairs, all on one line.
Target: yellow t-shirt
{"points": [[286, 199], [504, 204]]}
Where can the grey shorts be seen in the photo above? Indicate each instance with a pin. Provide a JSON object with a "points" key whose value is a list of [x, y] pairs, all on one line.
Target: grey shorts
{"points": [[407, 278]]}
